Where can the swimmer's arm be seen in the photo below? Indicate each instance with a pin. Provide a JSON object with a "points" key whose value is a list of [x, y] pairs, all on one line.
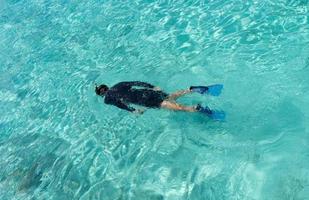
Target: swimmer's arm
{"points": [[119, 104], [129, 108], [139, 111], [123, 106]]}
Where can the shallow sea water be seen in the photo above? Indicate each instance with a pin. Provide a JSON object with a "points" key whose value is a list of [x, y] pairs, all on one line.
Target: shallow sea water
{"points": [[59, 141]]}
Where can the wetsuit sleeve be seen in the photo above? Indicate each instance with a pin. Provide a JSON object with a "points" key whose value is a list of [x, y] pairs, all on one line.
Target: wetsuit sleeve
{"points": [[138, 83], [119, 104]]}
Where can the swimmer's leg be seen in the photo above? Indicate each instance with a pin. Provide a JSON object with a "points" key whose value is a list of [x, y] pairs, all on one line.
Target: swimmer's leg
{"points": [[213, 114], [177, 107], [176, 95]]}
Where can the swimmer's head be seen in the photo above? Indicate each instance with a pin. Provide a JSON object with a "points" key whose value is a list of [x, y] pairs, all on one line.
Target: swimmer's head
{"points": [[101, 90]]}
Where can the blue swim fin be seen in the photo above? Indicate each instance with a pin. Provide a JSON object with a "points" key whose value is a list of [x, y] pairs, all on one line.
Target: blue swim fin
{"points": [[213, 114], [218, 115], [214, 90]]}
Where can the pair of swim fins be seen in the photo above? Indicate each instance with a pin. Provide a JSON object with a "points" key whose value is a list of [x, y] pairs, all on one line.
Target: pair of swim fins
{"points": [[214, 90]]}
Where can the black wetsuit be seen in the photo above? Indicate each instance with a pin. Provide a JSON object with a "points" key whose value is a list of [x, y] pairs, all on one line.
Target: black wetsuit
{"points": [[134, 92]]}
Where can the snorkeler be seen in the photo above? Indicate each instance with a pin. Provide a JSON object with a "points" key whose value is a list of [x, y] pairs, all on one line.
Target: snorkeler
{"points": [[147, 95]]}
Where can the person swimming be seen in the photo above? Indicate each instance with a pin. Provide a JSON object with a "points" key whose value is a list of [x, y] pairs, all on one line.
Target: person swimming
{"points": [[144, 94]]}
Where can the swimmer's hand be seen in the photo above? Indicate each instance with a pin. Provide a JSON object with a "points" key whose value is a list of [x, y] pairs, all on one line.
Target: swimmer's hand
{"points": [[139, 111], [156, 89]]}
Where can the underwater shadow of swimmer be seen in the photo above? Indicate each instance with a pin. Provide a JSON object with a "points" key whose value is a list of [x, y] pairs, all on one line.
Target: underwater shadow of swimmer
{"points": [[33, 177]]}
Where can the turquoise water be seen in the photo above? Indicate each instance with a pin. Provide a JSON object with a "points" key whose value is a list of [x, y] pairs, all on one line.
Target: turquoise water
{"points": [[59, 141]]}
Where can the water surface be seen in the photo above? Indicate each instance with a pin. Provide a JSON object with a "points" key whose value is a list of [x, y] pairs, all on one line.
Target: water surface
{"points": [[59, 141]]}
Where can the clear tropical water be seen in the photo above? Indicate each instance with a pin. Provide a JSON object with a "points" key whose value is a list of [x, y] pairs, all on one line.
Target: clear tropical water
{"points": [[59, 141]]}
